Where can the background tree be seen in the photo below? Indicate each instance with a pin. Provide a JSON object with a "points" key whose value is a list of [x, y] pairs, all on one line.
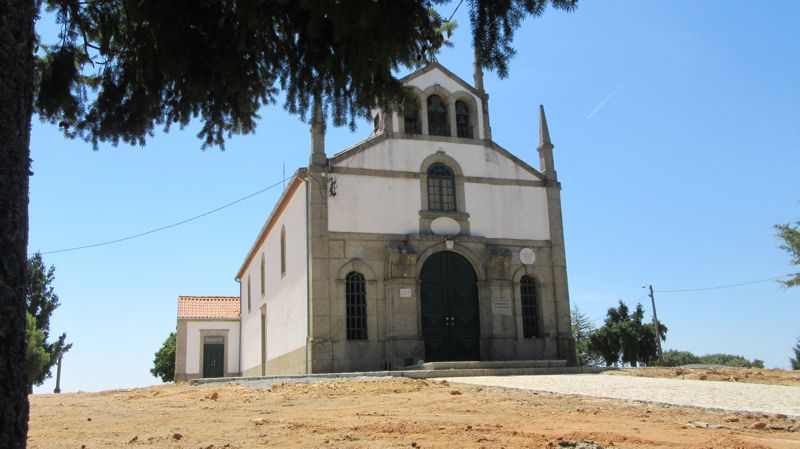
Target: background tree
{"points": [[41, 301], [581, 328], [796, 360], [36, 357], [679, 358], [164, 362], [791, 244], [122, 68], [624, 338], [733, 360]]}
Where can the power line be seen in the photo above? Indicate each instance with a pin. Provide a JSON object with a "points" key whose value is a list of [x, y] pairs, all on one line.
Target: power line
{"points": [[724, 286], [162, 228], [454, 11]]}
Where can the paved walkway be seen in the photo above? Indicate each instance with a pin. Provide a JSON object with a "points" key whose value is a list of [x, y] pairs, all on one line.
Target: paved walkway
{"points": [[696, 393]]}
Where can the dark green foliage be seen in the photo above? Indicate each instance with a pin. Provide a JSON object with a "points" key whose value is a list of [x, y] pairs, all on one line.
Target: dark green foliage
{"points": [[164, 362], [796, 360], [581, 328], [41, 301], [791, 244], [730, 360], [124, 68], [679, 358], [494, 23], [36, 358], [625, 338]]}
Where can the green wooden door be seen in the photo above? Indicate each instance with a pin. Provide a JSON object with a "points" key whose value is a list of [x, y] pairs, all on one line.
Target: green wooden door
{"points": [[213, 359], [449, 307]]}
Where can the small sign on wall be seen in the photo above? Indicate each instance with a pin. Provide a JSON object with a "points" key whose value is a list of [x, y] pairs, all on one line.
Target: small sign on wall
{"points": [[405, 292], [501, 306]]}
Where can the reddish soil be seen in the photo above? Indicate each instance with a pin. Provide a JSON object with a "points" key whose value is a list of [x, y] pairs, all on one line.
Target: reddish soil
{"points": [[398, 413]]}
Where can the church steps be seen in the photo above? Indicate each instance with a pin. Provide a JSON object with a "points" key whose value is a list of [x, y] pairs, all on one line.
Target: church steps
{"points": [[411, 374]]}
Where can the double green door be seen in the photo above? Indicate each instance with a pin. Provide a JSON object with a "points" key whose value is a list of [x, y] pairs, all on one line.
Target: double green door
{"points": [[213, 357], [449, 308]]}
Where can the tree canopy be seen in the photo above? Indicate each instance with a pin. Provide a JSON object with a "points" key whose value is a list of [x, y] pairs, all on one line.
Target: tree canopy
{"points": [[790, 234], [123, 68], [679, 358], [41, 301], [164, 361], [625, 339], [36, 358], [581, 329]]}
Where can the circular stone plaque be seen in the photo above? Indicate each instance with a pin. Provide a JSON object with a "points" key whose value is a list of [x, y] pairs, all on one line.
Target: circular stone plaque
{"points": [[445, 226], [527, 256]]}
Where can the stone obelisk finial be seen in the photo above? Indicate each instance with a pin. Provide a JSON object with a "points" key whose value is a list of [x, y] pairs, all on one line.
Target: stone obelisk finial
{"points": [[478, 80], [545, 149], [318, 157]]}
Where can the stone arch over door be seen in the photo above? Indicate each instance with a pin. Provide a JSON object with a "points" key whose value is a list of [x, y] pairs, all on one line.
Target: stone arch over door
{"points": [[449, 308]]}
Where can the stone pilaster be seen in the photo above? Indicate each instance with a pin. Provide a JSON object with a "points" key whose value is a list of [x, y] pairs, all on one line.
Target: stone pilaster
{"points": [[564, 341], [319, 333], [566, 344], [319, 352]]}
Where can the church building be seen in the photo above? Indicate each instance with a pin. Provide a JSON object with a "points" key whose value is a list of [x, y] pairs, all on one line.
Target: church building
{"points": [[427, 242]]}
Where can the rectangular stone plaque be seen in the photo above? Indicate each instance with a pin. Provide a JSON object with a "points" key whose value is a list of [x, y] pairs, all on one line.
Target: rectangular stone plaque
{"points": [[501, 306], [405, 292]]}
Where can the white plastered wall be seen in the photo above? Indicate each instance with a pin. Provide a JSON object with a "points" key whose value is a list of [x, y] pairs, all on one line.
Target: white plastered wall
{"points": [[511, 212], [373, 204], [194, 343], [285, 296], [391, 205], [407, 155]]}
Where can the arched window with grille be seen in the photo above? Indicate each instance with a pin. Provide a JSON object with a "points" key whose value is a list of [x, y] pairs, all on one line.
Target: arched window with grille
{"points": [[411, 116], [441, 188], [530, 313], [463, 128], [356, 306], [437, 117]]}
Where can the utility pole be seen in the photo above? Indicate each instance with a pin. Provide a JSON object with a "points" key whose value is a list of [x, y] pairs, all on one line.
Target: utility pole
{"points": [[58, 376], [655, 321]]}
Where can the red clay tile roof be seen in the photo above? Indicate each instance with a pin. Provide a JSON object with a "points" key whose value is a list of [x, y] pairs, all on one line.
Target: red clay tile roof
{"points": [[225, 307]]}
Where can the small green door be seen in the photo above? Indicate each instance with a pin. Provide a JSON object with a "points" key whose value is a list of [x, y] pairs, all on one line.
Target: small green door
{"points": [[213, 357], [449, 307]]}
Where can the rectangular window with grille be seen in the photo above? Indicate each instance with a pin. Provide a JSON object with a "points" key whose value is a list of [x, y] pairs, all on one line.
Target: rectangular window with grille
{"points": [[356, 304], [530, 319], [441, 189]]}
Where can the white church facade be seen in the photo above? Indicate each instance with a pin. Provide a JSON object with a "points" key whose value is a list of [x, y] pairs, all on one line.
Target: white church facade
{"points": [[426, 242]]}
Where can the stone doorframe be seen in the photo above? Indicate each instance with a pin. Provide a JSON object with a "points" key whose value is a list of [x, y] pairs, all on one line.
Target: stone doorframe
{"points": [[225, 347], [484, 301]]}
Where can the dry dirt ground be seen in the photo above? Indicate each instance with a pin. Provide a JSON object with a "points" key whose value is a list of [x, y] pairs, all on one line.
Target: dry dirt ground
{"points": [[741, 375], [396, 413]]}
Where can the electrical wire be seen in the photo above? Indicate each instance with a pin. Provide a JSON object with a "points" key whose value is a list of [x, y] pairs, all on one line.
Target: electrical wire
{"points": [[454, 11], [723, 286], [169, 226]]}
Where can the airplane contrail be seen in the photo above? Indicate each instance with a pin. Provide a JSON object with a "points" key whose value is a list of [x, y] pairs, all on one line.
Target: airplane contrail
{"points": [[613, 92]]}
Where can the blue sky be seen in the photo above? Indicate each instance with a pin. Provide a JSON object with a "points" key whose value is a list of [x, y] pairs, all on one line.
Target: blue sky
{"points": [[677, 134]]}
